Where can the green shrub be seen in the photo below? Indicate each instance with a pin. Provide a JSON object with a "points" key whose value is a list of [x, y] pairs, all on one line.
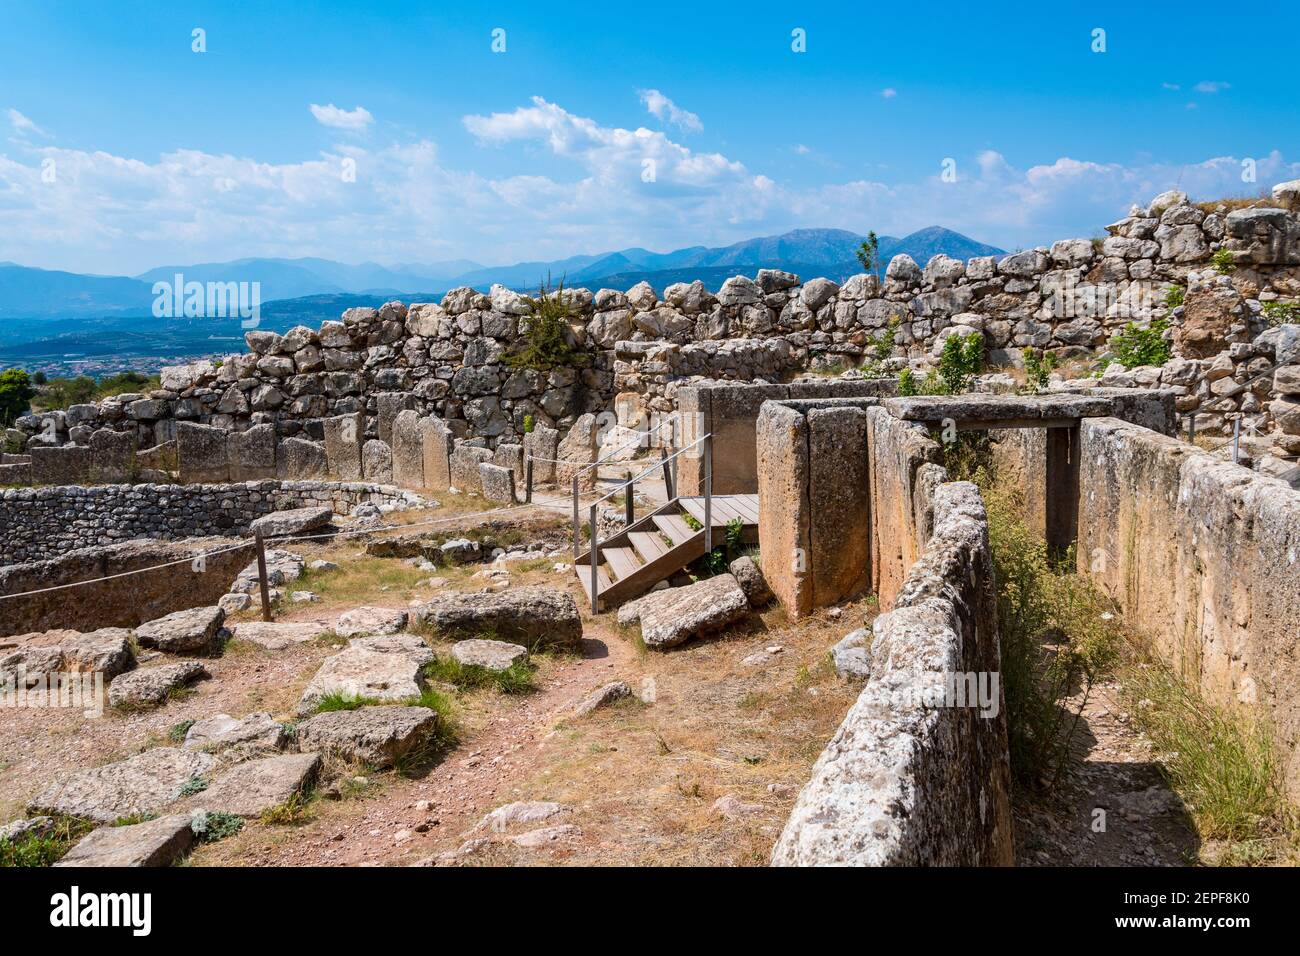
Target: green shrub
{"points": [[1281, 313], [337, 700], [1039, 367], [868, 253], [545, 345], [1137, 346], [32, 850], [213, 825], [515, 679], [1174, 296], [16, 394], [907, 383], [1224, 262]]}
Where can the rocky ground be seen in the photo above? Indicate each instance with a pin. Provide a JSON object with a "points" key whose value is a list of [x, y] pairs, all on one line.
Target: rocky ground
{"points": [[618, 755]]}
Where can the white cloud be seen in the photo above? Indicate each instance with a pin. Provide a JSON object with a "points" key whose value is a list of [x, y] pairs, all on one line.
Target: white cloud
{"points": [[122, 215], [332, 116], [802, 150], [22, 125], [889, 92], [1170, 86], [1211, 86], [667, 111]]}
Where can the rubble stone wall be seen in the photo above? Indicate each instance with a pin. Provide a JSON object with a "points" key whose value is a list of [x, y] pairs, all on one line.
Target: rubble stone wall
{"points": [[42, 523]]}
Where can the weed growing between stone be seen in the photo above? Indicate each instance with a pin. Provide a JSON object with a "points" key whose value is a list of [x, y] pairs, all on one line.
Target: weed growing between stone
{"points": [[516, 679], [44, 849]]}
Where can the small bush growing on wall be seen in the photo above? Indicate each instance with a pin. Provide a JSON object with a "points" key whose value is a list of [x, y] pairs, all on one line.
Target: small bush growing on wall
{"points": [[1281, 313], [545, 344], [1142, 346], [1174, 296], [1223, 262], [1039, 367]]}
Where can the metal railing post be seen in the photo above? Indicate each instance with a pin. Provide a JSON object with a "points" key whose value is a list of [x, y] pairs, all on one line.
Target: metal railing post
{"points": [[668, 473], [708, 494], [261, 576], [595, 558], [528, 480], [629, 510], [577, 521]]}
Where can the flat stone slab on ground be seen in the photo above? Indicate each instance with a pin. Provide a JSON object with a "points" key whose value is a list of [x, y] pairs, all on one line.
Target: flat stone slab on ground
{"points": [[150, 686], [281, 568], [531, 616], [141, 784], [370, 620], [519, 814], [387, 668], [196, 631], [609, 694], [221, 732], [251, 788], [377, 736], [277, 635], [852, 655], [294, 521], [674, 616], [152, 843], [494, 655], [107, 650]]}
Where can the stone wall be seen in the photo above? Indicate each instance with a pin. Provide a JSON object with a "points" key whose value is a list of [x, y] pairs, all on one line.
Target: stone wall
{"points": [[913, 777], [450, 358], [121, 601], [1204, 558], [42, 523]]}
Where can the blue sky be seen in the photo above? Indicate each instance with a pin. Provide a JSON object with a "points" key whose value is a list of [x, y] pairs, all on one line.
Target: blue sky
{"points": [[161, 155]]}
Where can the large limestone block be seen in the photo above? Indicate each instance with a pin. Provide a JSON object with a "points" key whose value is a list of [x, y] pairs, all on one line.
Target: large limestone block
{"points": [[498, 483], [138, 785], [293, 521], [376, 736], [151, 686], [388, 668], [251, 453], [531, 616], [278, 635], [68, 465], [733, 414], [193, 631], [377, 461], [436, 442], [675, 615], [465, 460], [543, 445], [152, 843], [42, 655], [220, 732], [344, 436], [201, 453], [784, 512], [493, 655], [578, 449], [839, 501], [297, 459], [388, 405], [112, 456], [253, 787], [408, 450]]}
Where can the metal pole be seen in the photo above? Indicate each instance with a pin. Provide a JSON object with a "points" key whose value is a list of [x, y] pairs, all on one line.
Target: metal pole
{"points": [[261, 576], [528, 481], [708, 494], [1236, 441], [577, 522], [629, 512], [668, 473], [595, 557], [1191, 428]]}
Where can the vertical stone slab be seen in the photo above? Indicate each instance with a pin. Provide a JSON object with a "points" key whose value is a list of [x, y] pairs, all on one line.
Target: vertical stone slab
{"points": [[1020, 457], [67, 465], [252, 453], [577, 449], [840, 502], [784, 515], [1062, 489], [465, 476], [512, 457], [112, 457], [694, 422], [733, 413], [388, 405], [344, 435], [377, 462], [498, 483], [297, 459], [408, 450], [543, 445], [201, 453], [436, 442]]}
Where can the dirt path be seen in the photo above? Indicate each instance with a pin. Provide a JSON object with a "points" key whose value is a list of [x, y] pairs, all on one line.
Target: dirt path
{"points": [[1116, 808]]}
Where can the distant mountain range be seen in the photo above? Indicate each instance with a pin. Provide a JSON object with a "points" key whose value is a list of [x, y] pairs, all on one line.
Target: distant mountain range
{"points": [[49, 315]]}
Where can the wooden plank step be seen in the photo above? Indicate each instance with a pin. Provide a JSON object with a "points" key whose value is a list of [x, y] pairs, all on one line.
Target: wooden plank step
{"points": [[622, 562], [748, 506], [602, 576], [695, 506], [675, 527], [649, 544]]}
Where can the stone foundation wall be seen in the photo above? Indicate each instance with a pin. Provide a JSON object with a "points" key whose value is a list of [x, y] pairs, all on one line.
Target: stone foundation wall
{"points": [[910, 778], [122, 601], [41, 523], [1204, 558]]}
